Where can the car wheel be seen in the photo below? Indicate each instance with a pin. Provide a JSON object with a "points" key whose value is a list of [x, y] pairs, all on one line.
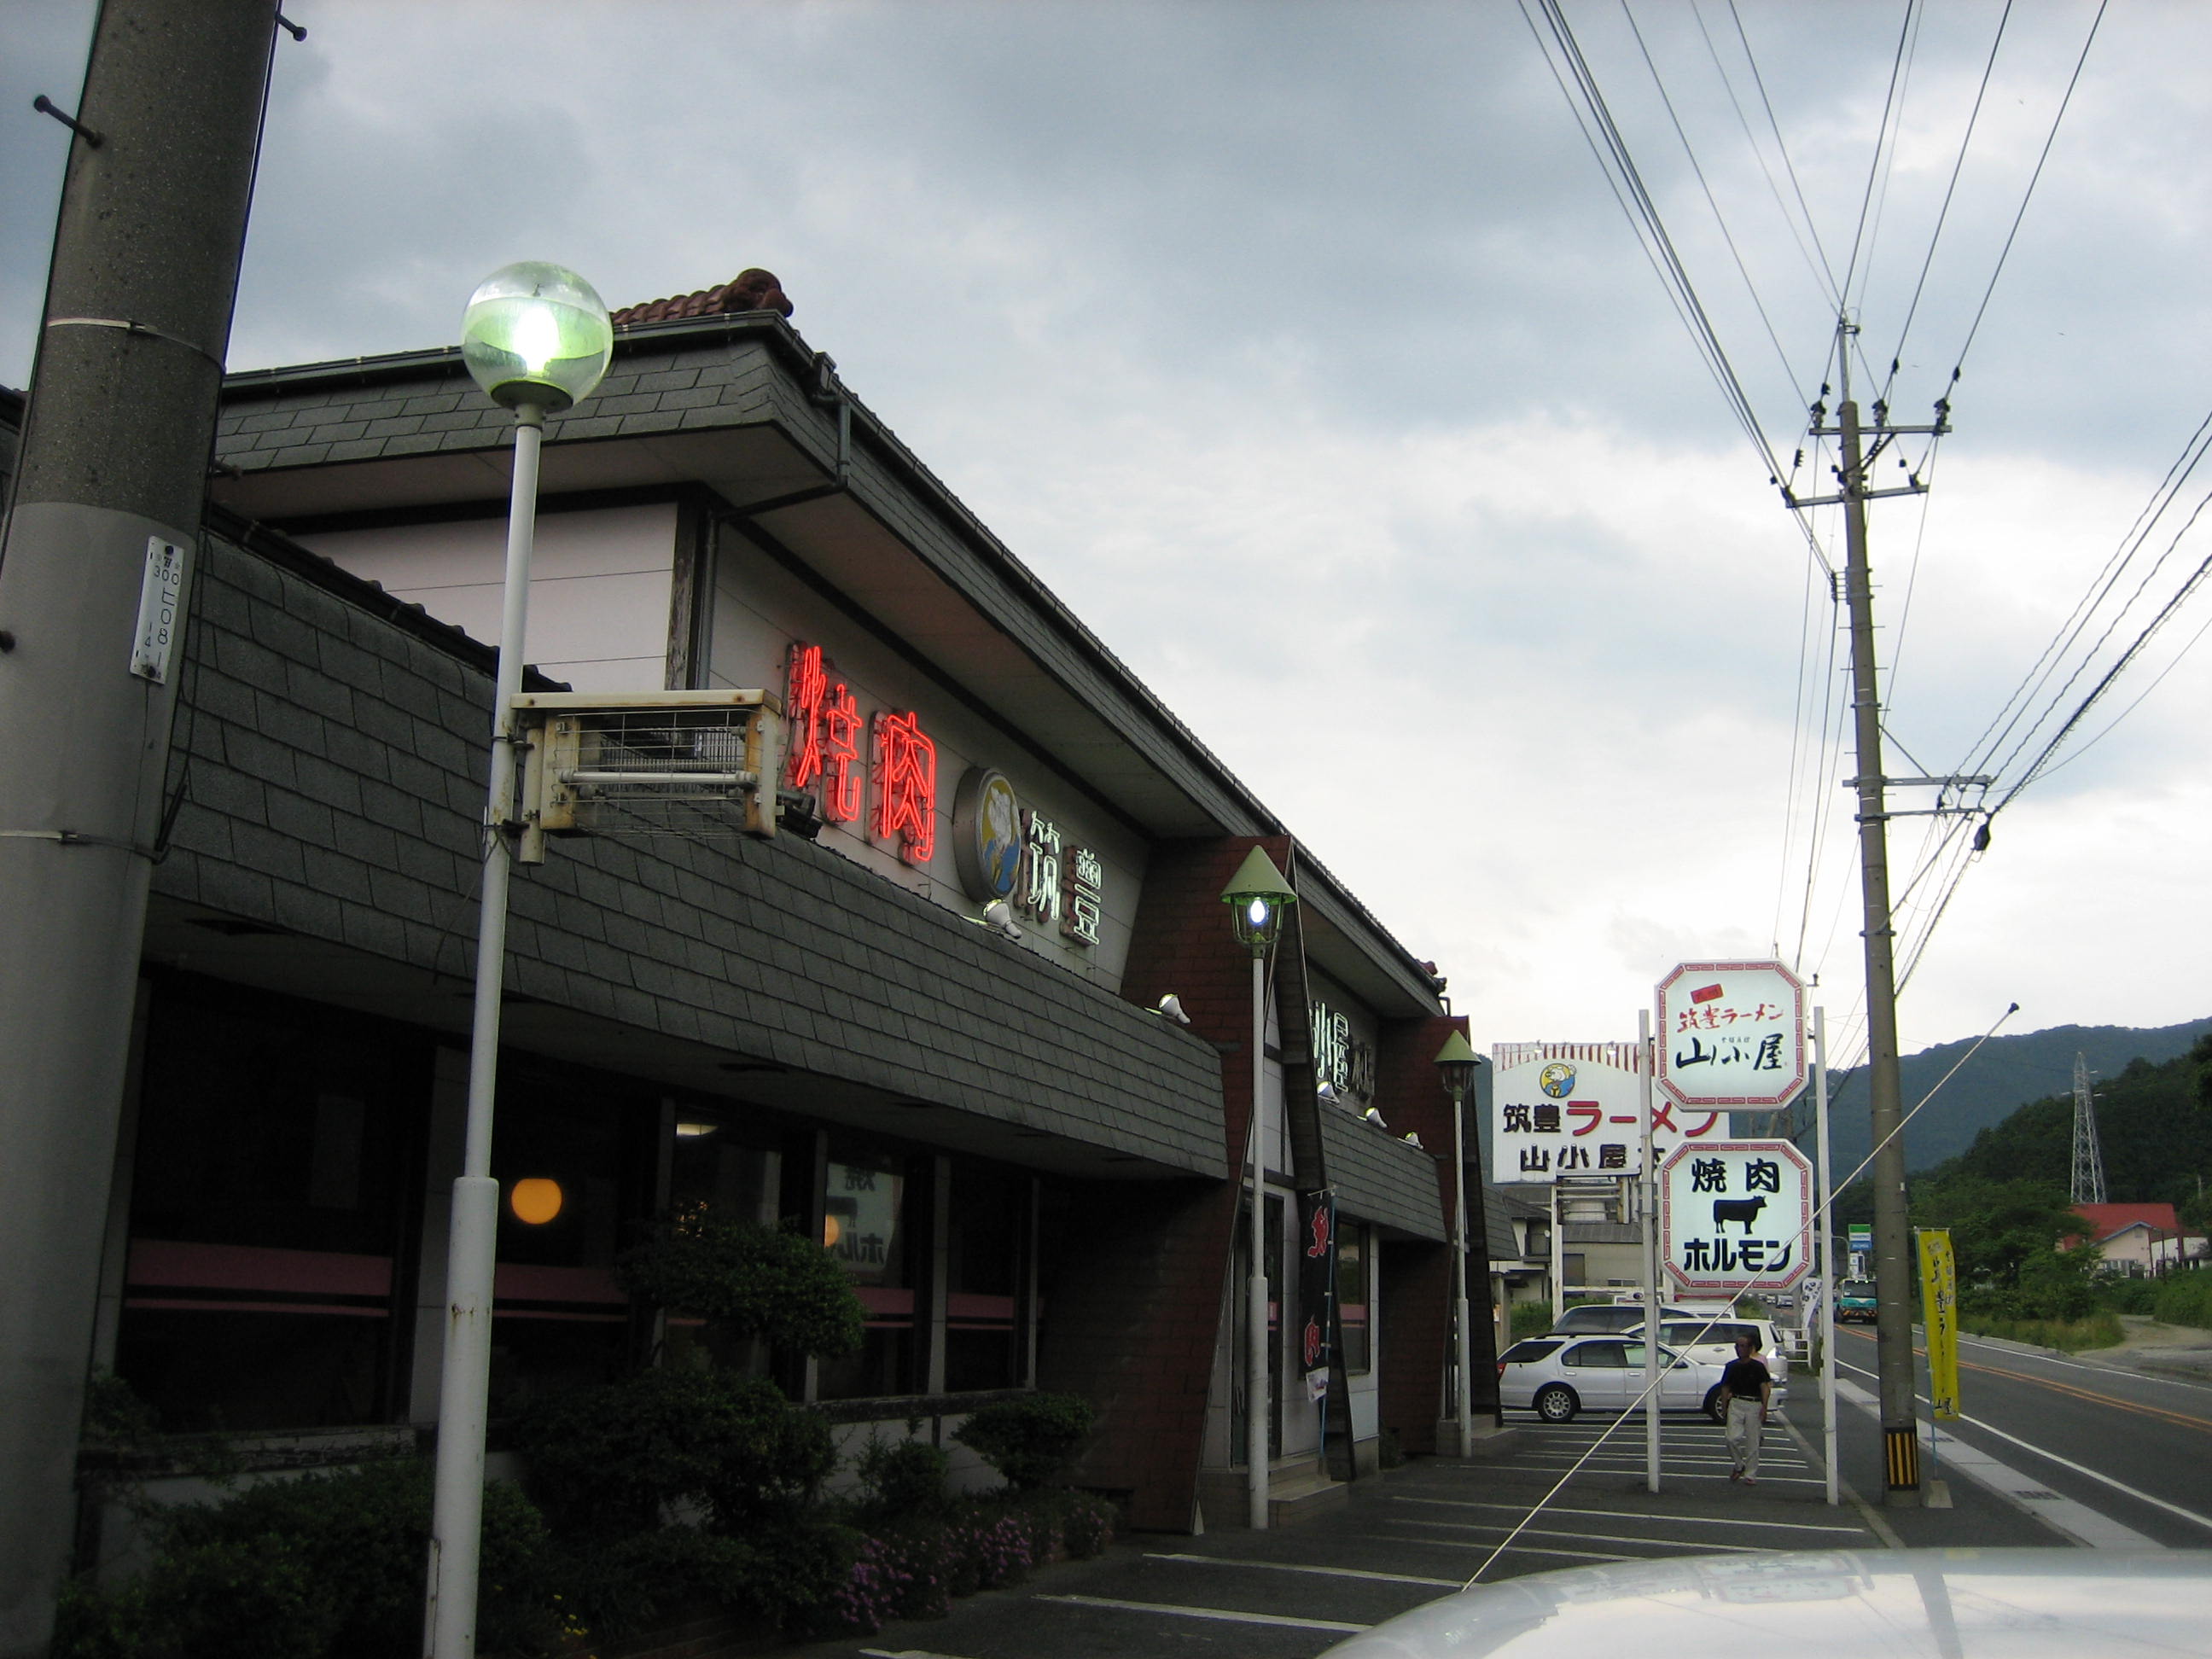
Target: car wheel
{"points": [[1557, 1403], [1717, 1404]]}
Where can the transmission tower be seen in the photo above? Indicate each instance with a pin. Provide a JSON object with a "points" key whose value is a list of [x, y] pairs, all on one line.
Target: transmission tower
{"points": [[2088, 1160]]}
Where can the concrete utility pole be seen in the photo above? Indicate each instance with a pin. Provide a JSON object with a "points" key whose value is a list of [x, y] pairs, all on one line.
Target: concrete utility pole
{"points": [[1893, 1237], [93, 584]]}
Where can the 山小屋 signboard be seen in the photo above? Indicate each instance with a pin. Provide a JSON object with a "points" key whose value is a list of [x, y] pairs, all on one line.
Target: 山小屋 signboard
{"points": [[1732, 1035], [1574, 1110], [1735, 1215]]}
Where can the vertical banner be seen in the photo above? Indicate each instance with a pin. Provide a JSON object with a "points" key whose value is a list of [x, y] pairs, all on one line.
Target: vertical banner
{"points": [[1316, 1287], [1939, 1312]]}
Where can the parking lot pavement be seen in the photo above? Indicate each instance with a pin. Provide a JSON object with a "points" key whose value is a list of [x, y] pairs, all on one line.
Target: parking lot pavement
{"points": [[1403, 1539]]}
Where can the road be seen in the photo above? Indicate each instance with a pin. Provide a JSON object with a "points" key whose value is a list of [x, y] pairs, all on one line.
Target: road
{"points": [[2135, 1448]]}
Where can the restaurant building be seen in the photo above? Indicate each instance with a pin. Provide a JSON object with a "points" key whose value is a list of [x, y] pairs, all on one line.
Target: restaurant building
{"points": [[1029, 1172]]}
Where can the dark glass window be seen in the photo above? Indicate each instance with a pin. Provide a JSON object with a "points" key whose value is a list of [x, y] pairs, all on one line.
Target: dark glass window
{"points": [[1352, 1246], [1522, 1354], [568, 1155], [272, 1208], [865, 1225], [713, 1166], [986, 1242], [1606, 1356]]}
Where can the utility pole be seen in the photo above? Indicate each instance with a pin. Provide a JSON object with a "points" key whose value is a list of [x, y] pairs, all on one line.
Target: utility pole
{"points": [[94, 582], [1892, 1239]]}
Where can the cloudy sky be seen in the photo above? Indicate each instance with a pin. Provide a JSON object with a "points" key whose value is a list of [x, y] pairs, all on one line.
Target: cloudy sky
{"points": [[1305, 349]]}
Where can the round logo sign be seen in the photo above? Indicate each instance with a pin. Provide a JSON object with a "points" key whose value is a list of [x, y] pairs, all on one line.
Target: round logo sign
{"points": [[986, 834], [1557, 1079]]}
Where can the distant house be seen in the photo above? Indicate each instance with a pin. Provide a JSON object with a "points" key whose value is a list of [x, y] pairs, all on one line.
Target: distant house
{"points": [[2137, 1241]]}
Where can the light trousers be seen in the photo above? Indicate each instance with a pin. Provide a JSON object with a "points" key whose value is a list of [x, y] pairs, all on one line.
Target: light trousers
{"points": [[1743, 1432]]}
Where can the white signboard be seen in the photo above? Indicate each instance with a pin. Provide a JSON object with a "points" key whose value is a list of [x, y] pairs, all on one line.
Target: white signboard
{"points": [[1735, 1215], [161, 594], [1732, 1035], [1574, 1109]]}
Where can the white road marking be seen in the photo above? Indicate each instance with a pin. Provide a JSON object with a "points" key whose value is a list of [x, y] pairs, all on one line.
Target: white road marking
{"points": [[1223, 1613], [2084, 1365], [1513, 1549], [904, 1653], [1586, 1537], [1288, 1566], [1600, 1467], [1633, 1515], [2061, 1513]]}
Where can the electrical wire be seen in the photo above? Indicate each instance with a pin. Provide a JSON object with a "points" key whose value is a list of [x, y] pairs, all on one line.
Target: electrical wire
{"points": [[1882, 147], [1825, 268], [1950, 190]]}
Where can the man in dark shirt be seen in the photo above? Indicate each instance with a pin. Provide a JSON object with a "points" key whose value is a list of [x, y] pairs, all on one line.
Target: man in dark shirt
{"points": [[1749, 1388]]}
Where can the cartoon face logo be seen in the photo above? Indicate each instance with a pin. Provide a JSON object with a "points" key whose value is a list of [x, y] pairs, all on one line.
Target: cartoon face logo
{"points": [[1557, 1079]]}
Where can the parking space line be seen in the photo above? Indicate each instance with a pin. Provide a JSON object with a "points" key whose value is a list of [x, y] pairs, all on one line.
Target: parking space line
{"points": [[1608, 1470], [1224, 1614], [1635, 1514], [1289, 1566], [1514, 1549], [904, 1653], [1588, 1537]]}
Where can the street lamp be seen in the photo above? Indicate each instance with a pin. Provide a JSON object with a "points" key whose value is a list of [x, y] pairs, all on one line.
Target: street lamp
{"points": [[1455, 1063], [537, 339], [1257, 895]]}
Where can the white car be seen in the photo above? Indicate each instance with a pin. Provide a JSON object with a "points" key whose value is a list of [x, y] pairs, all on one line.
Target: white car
{"points": [[1713, 1341], [1557, 1377]]}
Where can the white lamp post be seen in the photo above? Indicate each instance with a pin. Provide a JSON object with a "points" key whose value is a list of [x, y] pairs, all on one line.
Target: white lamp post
{"points": [[537, 339], [1256, 897], [1455, 1063]]}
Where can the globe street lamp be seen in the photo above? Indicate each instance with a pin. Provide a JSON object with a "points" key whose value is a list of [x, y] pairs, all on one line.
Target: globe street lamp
{"points": [[1257, 895], [537, 339], [1455, 1063]]}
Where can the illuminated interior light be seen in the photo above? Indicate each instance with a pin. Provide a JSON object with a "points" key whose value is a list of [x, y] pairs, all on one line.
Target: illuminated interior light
{"points": [[694, 1131], [831, 1233], [536, 1200]]}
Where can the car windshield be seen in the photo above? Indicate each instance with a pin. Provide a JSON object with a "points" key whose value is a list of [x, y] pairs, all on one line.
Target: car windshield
{"points": [[1702, 1331]]}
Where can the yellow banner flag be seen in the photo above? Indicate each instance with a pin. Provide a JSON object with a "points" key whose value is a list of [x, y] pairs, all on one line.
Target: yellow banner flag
{"points": [[1939, 1312]]}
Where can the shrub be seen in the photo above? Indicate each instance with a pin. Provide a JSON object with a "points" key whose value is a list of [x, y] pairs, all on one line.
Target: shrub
{"points": [[902, 1477], [774, 1575], [2185, 1299], [1531, 1319], [325, 1566], [604, 1462], [747, 1280], [2129, 1296], [1030, 1441]]}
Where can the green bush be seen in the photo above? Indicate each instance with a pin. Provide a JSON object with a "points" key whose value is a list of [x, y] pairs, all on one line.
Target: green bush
{"points": [[604, 1462], [2185, 1299], [774, 1575], [1531, 1319], [323, 1566], [2098, 1329], [2129, 1296], [747, 1280], [902, 1477], [1030, 1441]]}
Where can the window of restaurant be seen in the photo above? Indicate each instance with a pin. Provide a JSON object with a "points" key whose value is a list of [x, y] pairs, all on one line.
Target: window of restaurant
{"points": [[1351, 1294], [728, 1166], [986, 1267], [574, 1186], [273, 1205], [866, 1197]]}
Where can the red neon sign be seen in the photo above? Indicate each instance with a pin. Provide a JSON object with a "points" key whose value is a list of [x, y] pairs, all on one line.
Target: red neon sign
{"points": [[906, 786], [825, 731]]}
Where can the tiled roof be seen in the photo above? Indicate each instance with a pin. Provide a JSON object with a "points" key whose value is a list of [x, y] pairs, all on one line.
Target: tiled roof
{"points": [[2109, 1218], [749, 290]]}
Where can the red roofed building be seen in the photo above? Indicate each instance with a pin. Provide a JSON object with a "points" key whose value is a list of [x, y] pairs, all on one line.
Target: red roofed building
{"points": [[2138, 1240]]}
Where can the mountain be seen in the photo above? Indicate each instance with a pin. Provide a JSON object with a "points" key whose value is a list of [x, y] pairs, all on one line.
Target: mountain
{"points": [[2008, 1072]]}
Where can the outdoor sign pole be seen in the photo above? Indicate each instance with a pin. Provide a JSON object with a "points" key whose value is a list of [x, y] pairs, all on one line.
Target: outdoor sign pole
{"points": [[1559, 1260], [1827, 1247], [1648, 1183]]}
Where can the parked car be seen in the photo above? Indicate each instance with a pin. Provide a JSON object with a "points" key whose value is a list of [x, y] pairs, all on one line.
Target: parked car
{"points": [[1559, 1375], [1712, 1341], [1592, 1317]]}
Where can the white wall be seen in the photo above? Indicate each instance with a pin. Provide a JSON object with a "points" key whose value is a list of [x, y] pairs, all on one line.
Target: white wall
{"points": [[599, 585]]}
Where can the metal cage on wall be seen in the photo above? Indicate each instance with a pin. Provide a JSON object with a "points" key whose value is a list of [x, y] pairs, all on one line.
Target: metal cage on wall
{"points": [[701, 764]]}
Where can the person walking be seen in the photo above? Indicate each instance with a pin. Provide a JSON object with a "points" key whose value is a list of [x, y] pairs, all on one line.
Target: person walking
{"points": [[1750, 1388]]}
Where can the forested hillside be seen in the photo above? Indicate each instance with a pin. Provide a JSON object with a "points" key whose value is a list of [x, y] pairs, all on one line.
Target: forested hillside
{"points": [[2008, 1072]]}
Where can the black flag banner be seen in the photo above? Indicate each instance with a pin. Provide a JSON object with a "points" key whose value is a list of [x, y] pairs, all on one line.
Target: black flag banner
{"points": [[1316, 1285]]}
